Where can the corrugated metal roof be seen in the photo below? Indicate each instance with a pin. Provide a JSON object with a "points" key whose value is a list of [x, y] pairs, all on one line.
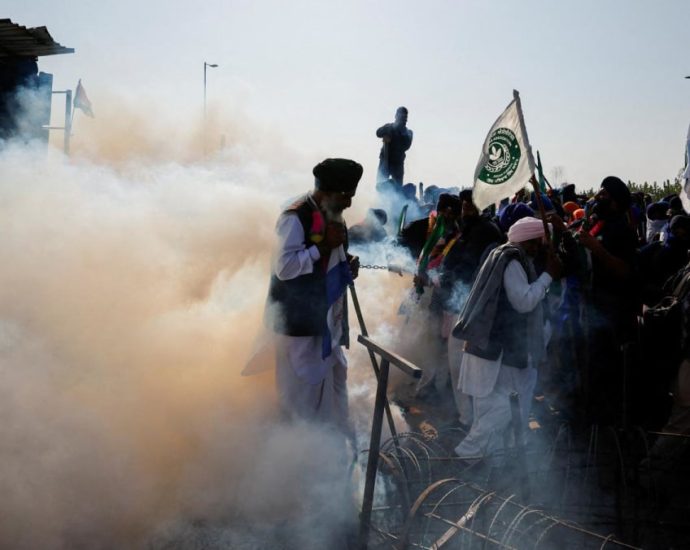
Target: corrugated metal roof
{"points": [[16, 40]]}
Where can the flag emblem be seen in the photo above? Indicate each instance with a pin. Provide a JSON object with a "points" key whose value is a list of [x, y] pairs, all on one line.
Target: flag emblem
{"points": [[506, 163], [503, 158]]}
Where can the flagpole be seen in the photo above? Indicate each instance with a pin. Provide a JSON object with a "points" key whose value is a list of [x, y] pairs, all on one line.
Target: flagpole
{"points": [[523, 127], [530, 159], [71, 120], [547, 182], [69, 117], [541, 172], [540, 205]]}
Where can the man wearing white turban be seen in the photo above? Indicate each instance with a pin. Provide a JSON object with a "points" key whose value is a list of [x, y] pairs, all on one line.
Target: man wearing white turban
{"points": [[503, 329]]}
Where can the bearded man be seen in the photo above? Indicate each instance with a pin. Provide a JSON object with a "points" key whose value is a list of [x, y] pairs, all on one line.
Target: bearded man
{"points": [[307, 302], [502, 325]]}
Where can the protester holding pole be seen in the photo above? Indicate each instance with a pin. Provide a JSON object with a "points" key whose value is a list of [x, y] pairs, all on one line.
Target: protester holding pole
{"points": [[502, 322], [306, 301]]}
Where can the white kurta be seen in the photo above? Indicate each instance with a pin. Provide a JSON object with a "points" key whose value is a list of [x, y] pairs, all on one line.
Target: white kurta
{"points": [[490, 382], [308, 385]]}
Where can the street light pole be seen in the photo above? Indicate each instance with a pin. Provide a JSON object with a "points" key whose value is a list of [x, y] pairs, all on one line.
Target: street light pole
{"points": [[213, 66]]}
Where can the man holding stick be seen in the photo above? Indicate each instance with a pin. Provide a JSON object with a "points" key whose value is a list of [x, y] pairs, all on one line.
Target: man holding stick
{"points": [[307, 300]]}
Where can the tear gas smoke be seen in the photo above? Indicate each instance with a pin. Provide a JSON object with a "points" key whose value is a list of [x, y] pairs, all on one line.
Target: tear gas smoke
{"points": [[132, 287]]}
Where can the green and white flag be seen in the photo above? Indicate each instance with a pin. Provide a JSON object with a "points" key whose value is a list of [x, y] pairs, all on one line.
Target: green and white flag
{"points": [[506, 164]]}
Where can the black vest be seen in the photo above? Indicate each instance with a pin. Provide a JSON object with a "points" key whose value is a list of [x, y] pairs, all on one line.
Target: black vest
{"points": [[510, 332], [298, 307]]}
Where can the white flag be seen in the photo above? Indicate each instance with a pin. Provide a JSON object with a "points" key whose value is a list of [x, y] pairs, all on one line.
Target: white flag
{"points": [[685, 176], [506, 163], [81, 100]]}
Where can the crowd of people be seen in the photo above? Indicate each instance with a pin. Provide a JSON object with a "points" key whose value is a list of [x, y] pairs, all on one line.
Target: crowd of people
{"points": [[554, 294], [548, 294]]}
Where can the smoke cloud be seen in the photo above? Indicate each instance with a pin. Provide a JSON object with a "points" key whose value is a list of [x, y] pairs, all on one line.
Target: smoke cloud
{"points": [[132, 288]]}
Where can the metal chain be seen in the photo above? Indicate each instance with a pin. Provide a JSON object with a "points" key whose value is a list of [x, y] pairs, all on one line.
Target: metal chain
{"points": [[371, 266]]}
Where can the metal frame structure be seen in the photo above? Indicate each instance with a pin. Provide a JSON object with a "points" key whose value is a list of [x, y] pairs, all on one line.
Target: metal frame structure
{"points": [[388, 358], [69, 114]]}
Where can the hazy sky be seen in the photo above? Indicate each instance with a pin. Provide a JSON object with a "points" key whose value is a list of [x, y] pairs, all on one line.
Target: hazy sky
{"points": [[601, 81]]}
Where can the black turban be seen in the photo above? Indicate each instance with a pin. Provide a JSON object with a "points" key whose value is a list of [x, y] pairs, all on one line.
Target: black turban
{"points": [[680, 222], [446, 200], [568, 193], [658, 210], [618, 190], [466, 195], [341, 175], [380, 215], [676, 204], [409, 191]]}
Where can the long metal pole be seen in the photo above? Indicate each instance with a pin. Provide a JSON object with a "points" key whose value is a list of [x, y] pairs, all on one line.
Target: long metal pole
{"points": [[203, 129], [68, 120], [374, 447], [374, 363], [387, 358], [530, 158], [386, 404], [205, 93]]}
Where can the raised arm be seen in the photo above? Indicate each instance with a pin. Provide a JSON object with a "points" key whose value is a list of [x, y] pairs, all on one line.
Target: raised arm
{"points": [[522, 295], [384, 131]]}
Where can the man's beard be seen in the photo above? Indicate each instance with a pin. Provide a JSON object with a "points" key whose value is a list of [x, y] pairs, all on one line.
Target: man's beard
{"points": [[333, 214]]}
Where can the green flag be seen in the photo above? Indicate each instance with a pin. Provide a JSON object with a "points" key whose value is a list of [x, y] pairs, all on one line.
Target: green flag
{"points": [[401, 220], [437, 232]]}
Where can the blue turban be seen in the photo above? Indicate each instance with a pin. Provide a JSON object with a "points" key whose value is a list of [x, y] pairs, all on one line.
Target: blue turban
{"points": [[512, 213]]}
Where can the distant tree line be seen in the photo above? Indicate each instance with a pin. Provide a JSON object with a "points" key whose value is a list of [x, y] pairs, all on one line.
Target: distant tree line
{"points": [[656, 191]]}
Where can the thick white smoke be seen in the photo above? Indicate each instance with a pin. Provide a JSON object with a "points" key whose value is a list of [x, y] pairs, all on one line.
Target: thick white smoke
{"points": [[133, 281]]}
